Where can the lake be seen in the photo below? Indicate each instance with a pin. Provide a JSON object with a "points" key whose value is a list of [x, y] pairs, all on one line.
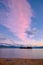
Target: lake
{"points": [[21, 53]]}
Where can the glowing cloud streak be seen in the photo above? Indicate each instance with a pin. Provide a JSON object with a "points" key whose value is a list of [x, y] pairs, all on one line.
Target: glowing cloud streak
{"points": [[19, 17]]}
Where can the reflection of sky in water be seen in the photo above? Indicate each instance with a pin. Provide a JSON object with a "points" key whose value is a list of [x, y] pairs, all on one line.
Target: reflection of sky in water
{"points": [[21, 53]]}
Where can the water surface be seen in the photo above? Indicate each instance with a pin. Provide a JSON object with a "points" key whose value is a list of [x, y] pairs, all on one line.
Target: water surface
{"points": [[21, 53]]}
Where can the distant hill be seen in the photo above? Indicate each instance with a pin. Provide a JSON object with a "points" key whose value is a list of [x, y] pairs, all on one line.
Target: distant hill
{"points": [[3, 45], [37, 47]]}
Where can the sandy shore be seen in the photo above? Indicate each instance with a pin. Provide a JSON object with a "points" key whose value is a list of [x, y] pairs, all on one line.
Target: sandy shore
{"points": [[16, 61]]}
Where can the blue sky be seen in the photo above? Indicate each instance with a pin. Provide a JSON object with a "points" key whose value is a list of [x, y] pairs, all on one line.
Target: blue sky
{"points": [[37, 21], [19, 17], [37, 6]]}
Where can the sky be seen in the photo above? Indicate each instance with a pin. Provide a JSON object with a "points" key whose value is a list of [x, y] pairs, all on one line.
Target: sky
{"points": [[21, 22]]}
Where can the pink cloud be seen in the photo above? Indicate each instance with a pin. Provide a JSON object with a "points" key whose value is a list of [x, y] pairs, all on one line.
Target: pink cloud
{"points": [[19, 18]]}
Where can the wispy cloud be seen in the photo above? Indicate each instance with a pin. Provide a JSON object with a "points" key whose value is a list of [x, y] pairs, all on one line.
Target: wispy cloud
{"points": [[16, 16], [5, 40], [19, 17]]}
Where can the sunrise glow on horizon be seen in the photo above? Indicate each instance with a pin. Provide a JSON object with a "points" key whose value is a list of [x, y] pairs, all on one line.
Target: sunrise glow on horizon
{"points": [[21, 22]]}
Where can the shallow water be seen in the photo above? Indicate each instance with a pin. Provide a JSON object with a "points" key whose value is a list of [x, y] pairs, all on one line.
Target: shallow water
{"points": [[21, 53]]}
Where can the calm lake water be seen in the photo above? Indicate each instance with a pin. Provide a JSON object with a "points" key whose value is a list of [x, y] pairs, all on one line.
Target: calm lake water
{"points": [[21, 53]]}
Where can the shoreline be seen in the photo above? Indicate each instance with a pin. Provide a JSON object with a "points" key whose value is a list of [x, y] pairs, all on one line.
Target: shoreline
{"points": [[19, 61]]}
